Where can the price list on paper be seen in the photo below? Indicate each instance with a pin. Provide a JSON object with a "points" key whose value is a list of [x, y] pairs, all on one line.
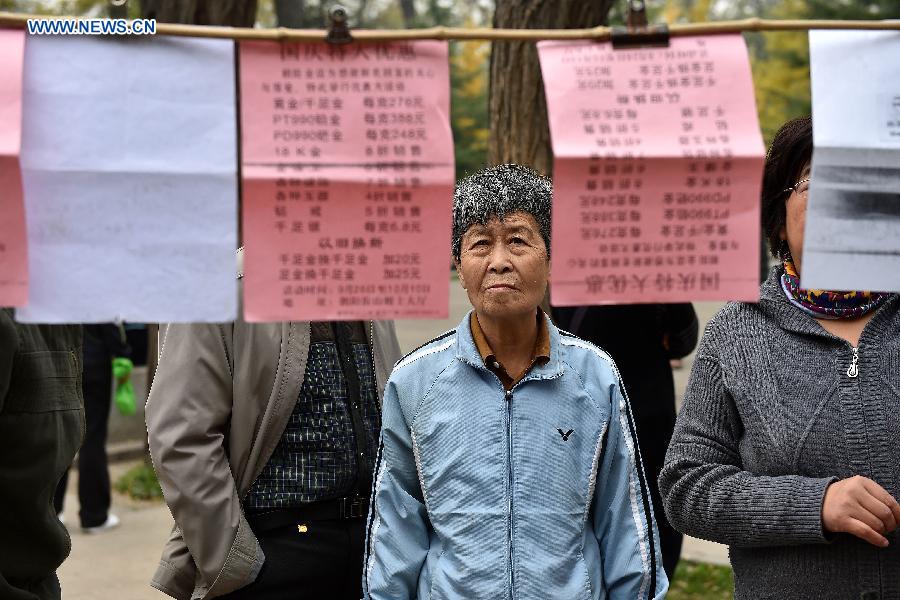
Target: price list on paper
{"points": [[658, 160], [347, 180]]}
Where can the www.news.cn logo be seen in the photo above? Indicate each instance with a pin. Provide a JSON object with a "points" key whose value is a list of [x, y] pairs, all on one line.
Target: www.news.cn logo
{"points": [[91, 27]]}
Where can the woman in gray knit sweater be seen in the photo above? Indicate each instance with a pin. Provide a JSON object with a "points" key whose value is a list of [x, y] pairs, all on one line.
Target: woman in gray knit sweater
{"points": [[787, 447]]}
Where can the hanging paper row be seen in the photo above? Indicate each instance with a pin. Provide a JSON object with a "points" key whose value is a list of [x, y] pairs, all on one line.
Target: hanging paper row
{"points": [[122, 161]]}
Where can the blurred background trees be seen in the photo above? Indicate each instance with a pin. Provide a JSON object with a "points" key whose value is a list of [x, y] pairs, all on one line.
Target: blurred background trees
{"points": [[780, 59]]}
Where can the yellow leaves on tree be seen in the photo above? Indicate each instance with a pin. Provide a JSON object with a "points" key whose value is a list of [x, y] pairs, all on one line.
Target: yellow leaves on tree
{"points": [[469, 118]]}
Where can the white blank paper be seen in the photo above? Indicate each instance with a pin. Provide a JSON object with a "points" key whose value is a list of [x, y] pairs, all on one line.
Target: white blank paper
{"points": [[852, 237], [129, 167]]}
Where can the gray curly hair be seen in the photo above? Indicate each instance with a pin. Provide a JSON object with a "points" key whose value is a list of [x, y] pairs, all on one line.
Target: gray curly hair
{"points": [[497, 192]]}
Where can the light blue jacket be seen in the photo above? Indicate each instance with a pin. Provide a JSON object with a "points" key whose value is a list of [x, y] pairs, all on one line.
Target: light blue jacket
{"points": [[533, 493]]}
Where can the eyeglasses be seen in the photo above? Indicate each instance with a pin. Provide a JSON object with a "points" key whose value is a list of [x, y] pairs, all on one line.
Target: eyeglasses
{"points": [[800, 188]]}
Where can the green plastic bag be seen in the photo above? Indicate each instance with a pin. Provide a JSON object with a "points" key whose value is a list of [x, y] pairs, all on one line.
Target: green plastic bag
{"points": [[124, 395]]}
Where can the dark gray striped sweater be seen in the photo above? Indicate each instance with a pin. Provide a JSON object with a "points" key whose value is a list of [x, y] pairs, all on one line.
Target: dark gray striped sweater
{"points": [[770, 418]]}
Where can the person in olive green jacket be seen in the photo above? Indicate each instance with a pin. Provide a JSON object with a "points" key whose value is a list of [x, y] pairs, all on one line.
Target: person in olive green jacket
{"points": [[41, 428]]}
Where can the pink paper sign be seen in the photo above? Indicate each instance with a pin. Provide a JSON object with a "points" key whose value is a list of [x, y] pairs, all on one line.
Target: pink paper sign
{"points": [[13, 243], [348, 170], [658, 162]]}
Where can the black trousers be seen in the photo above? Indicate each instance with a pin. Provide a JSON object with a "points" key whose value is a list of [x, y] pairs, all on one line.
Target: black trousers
{"points": [[324, 561], [654, 434], [93, 471]]}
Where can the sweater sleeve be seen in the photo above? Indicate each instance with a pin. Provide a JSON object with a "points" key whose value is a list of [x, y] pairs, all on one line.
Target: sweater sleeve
{"points": [[706, 490]]}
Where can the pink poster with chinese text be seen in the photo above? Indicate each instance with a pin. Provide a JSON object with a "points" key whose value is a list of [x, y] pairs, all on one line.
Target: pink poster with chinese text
{"points": [[13, 241], [348, 169], [657, 172]]}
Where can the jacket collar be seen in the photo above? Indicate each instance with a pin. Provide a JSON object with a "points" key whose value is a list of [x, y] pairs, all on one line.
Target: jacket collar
{"points": [[467, 351], [774, 304]]}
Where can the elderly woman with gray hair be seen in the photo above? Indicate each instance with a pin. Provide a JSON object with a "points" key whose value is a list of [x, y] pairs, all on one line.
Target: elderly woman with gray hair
{"points": [[788, 442], [508, 465]]}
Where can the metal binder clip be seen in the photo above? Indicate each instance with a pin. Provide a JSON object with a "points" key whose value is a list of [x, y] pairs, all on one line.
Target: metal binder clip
{"points": [[338, 32], [638, 34]]}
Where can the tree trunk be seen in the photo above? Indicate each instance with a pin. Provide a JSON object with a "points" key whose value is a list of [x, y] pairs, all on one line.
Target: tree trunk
{"points": [[518, 110], [117, 10], [291, 13], [300, 14], [408, 8], [234, 13]]}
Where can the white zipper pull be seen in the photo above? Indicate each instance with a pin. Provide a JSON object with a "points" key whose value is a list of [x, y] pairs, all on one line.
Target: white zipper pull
{"points": [[853, 371]]}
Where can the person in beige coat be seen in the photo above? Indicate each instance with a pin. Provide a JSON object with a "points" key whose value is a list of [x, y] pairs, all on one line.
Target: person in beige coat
{"points": [[264, 437]]}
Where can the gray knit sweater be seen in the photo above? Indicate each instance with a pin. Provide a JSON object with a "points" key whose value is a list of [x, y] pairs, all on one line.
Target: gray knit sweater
{"points": [[770, 418]]}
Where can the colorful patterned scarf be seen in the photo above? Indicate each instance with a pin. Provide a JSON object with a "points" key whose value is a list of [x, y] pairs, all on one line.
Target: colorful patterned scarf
{"points": [[824, 304]]}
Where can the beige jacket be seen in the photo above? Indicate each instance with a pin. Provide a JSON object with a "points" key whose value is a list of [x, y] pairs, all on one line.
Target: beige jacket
{"points": [[222, 396]]}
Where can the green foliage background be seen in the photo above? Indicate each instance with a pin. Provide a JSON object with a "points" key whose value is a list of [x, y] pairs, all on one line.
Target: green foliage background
{"points": [[780, 60]]}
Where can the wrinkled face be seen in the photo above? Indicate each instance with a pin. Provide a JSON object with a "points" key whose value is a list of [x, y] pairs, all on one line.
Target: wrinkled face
{"points": [[503, 266], [795, 218]]}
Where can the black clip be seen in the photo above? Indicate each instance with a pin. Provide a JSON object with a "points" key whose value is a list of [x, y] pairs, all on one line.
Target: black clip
{"points": [[638, 34], [338, 32]]}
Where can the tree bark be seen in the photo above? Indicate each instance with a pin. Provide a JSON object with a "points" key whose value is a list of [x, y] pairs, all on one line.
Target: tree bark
{"points": [[234, 13], [408, 8], [118, 11], [300, 14], [519, 132], [290, 13]]}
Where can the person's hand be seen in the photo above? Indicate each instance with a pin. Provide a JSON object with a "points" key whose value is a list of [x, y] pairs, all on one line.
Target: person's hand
{"points": [[860, 507]]}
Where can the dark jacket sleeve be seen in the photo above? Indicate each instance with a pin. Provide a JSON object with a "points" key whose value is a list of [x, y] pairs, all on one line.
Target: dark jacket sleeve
{"points": [[102, 343], [118, 343], [9, 343], [681, 329], [113, 335]]}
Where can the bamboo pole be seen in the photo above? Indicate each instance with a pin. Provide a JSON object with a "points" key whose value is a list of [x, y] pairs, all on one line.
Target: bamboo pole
{"points": [[463, 33]]}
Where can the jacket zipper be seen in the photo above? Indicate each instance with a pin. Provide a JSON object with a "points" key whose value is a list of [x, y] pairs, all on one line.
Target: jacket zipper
{"points": [[509, 470], [853, 371], [372, 355], [508, 396]]}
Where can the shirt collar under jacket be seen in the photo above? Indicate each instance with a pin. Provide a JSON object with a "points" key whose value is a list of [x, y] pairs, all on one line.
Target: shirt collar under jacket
{"points": [[549, 367], [539, 354]]}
